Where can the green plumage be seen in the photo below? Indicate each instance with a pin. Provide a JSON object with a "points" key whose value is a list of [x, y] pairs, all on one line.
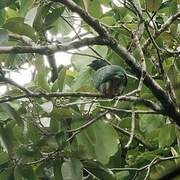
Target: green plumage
{"points": [[109, 79]]}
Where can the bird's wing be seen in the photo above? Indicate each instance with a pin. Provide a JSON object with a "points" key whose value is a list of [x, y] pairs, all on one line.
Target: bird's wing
{"points": [[107, 73]]}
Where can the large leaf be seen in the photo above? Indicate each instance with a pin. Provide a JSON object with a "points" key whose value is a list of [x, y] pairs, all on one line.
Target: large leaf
{"points": [[12, 61], [108, 20], [8, 140], [174, 76], [72, 169], [11, 112], [25, 6], [59, 119], [173, 7], [81, 62], [153, 5], [100, 141], [148, 122], [60, 26], [99, 170], [30, 16], [57, 170], [23, 171], [61, 138], [7, 174], [41, 77], [60, 82], [167, 135], [39, 19], [4, 3], [16, 25], [53, 16], [3, 158], [94, 8], [83, 81]]}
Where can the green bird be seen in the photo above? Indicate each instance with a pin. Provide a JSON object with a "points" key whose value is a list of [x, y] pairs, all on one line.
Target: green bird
{"points": [[108, 79]]}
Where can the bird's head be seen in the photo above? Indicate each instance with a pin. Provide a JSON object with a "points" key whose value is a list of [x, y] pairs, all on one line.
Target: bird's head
{"points": [[97, 64]]}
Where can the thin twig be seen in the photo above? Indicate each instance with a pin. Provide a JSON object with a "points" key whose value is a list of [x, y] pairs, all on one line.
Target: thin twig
{"points": [[132, 128], [163, 28], [136, 137], [11, 82], [117, 110], [155, 161], [157, 50], [88, 123]]}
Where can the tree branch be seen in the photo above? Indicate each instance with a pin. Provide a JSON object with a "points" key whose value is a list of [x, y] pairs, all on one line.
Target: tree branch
{"points": [[155, 161], [11, 82], [170, 108], [134, 99], [156, 89], [88, 123], [117, 110], [162, 29], [85, 16], [49, 49], [136, 137]]}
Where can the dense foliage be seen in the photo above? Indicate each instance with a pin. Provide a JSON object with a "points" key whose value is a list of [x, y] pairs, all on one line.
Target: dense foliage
{"points": [[57, 126]]}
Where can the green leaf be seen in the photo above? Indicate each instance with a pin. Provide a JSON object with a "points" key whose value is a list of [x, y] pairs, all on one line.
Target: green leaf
{"points": [[30, 16], [120, 13], [39, 19], [3, 35], [81, 62], [94, 8], [11, 112], [100, 141], [11, 13], [57, 118], [7, 174], [122, 175], [61, 79], [41, 79], [3, 116], [173, 7], [174, 77], [3, 158], [53, 16], [32, 132], [108, 20], [57, 170], [105, 2], [60, 26], [83, 81], [59, 83], [153, 5], [16, 25], [167, 135], [8, 140], [150, 122], [61, 139], [72, 169], [4, 3], [99, 170], [25, 6], [2, 16], [24, 171]]}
